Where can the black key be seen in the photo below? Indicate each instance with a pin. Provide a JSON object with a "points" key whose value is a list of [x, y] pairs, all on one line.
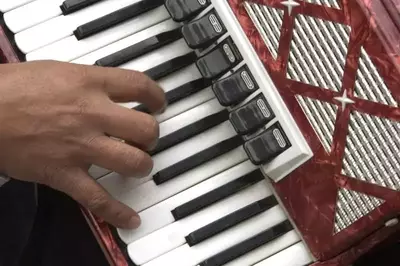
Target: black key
{"points": [[142, 108], [217, 194], [230, 220], [235, 88], [220, 60], [190, 131], [115, 18], [187, 89], [248, 245], [204, 31], [252, 116], [268, 145], [71, 6], [181, 10], [180, 93], [197, 159], [171, 66], [134, 51]]}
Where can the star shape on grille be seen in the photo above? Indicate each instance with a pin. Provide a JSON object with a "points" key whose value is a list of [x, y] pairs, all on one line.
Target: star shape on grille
{"points": [[344, 100], [290, 4]]}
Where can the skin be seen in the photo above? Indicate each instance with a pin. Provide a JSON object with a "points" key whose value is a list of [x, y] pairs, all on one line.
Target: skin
{"points": [[57, 119]]}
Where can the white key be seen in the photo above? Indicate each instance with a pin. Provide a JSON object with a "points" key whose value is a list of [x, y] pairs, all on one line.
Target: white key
{"points": [[162, 160], [168, 157], [177, 79], [173, 235], [296, 255], [63, 26], [96, 46], [92, 53], [172, 125], [186, 255], [148, 194], [31, 14], [168, 83], [160, 215], [165, 53], [172, 111], [176, 154], [173, 81], [96, 172], [7, 5], [187, 104], [277, 245]]}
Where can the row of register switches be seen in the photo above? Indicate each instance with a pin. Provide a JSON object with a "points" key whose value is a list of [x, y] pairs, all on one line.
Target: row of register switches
{"points": [[251, 115]]}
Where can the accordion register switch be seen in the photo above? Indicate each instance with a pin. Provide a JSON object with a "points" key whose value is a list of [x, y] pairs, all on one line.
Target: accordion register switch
{"points": [[235, 88], [204, 31], [184, 10], [268, 145], [220, 60], [252, 116]]}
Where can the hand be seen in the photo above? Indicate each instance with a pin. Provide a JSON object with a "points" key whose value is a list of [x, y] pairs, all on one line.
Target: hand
{"points": [[56, 120]]}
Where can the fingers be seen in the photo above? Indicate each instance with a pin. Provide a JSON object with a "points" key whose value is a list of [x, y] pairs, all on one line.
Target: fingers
{"points": [[119, 157], [77, 184], [140, 129], [127, 86]]}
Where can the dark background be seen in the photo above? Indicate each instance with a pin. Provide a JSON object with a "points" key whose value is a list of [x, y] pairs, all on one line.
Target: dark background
{"points": [[56, 234]]}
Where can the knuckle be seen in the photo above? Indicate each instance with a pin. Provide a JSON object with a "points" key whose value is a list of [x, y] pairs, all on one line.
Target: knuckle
{"points": [[141, 162], [79, 77], [142, 86], [82, 75], [83, 106], [148, 82], [151, 129], [131, 76], [143, 82], [98, 202], [91, 141]]}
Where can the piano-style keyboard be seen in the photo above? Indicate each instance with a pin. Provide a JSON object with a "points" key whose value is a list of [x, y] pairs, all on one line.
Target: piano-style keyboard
{"points": [[224, 137]]}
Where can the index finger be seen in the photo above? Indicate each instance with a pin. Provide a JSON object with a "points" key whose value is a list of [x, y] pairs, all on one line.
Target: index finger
{"points": [[123, 85]]}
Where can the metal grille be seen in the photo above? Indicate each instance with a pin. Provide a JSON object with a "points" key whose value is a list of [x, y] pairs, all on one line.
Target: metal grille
{"points": [[321, 115], [329, 3], [268, 22], [318, 52], [369, 84], [347, 211], [375, 143], [317, 57]]}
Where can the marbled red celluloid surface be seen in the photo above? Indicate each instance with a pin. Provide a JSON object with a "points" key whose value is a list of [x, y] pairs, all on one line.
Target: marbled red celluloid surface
{"points": [[7, 54], [310, 193]]}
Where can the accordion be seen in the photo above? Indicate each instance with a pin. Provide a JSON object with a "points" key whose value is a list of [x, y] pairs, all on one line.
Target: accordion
{"points": [[281, 142]]}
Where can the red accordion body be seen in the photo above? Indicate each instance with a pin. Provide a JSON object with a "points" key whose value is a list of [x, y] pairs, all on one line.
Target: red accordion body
{"points": [[350, 121]]}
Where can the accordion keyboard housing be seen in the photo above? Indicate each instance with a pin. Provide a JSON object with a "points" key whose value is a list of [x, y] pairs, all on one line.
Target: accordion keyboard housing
{"points": [[329, 70], [299, 152]]}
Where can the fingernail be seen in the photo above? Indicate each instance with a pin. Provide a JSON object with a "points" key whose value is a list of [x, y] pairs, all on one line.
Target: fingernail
{"points": [[134, 222]]}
